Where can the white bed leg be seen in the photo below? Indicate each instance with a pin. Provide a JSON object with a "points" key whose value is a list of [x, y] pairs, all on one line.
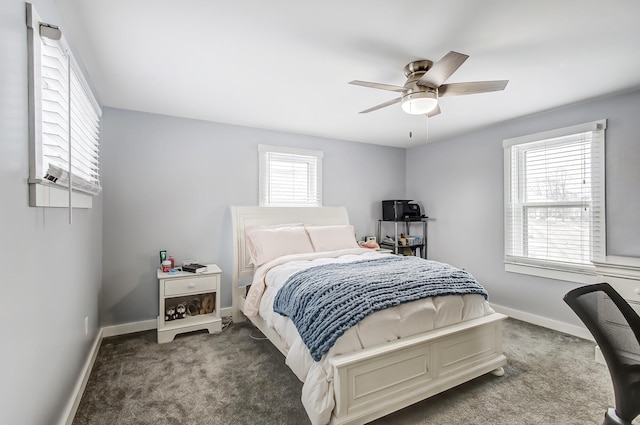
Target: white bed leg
{"points": [[498, 372]]}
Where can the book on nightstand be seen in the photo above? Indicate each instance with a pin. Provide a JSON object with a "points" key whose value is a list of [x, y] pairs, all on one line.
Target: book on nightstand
{"points": [[194, 268]]}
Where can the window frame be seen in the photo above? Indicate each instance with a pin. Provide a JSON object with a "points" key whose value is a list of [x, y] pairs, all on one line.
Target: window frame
{"points": [[44, 191], [574, 272], [314, 194]]}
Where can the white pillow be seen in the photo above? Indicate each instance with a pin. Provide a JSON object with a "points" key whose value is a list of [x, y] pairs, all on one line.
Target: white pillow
{"points": [[266, 243], [332, 238]]}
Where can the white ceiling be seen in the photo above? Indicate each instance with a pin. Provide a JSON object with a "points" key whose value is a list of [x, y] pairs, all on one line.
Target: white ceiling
{"points": [[284, 64]]}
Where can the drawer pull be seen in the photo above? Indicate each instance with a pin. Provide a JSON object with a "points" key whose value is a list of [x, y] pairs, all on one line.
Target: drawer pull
{"points": [[192, 285], [637, 291]]}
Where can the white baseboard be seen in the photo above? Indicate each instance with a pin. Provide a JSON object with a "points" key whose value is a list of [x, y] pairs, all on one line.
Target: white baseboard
{"points": [[545, 322], [128, 328], [145, 325], [74, 401]]}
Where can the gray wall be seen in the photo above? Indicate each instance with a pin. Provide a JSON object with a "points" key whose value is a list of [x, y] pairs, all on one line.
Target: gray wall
{"points": [[168, 184], [51, 270], [460, 182]]}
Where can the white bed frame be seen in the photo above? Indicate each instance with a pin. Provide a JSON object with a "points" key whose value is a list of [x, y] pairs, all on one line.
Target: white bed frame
{"points": [[376, 381]]}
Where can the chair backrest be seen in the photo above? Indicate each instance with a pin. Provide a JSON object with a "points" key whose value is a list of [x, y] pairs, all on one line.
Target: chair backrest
{"points": [[616, 328]]}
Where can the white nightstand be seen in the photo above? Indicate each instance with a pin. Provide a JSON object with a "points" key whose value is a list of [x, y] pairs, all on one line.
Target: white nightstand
{"points": [[189, 288]]}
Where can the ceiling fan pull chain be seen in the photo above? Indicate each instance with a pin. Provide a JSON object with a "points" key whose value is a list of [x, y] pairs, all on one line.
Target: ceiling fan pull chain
{"points": [[427, 138]]}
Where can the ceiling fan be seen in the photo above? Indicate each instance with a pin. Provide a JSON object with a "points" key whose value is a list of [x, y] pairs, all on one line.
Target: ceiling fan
{"points": [[425, 84]]}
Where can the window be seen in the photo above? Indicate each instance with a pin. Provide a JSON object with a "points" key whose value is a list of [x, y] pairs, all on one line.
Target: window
{"points": [[554, 201], [64, 121], [290, 177]]}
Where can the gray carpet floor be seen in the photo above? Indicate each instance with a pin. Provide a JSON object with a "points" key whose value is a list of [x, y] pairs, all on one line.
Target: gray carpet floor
{"points": [[233, 378]]}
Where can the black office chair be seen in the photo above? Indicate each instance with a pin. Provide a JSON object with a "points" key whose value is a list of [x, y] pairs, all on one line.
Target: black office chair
{"points": [[616, 328]]}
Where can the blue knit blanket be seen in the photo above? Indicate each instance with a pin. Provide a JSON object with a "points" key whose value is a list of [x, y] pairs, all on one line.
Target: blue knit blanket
{"points": [[324, 301]]}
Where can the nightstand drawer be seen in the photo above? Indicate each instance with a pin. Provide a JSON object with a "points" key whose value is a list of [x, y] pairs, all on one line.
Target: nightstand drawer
{"points": [[190, 285]]}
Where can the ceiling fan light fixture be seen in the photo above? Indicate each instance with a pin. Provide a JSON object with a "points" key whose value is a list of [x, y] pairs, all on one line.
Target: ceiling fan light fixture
{"points": [[419, 103]]}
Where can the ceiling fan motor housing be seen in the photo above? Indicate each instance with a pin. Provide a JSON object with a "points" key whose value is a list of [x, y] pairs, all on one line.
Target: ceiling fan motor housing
{"points": [[421, 66], [418, 99]]}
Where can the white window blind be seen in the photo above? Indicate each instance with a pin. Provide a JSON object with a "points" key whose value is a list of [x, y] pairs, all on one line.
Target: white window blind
{"points": [[289, 177], [65, 129], [554, 198]]}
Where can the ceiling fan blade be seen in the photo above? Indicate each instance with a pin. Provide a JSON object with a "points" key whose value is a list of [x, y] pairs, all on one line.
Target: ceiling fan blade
{"points": [[441, 70], [377, 85], [435, 111], [382, 105], [458, 89]]}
